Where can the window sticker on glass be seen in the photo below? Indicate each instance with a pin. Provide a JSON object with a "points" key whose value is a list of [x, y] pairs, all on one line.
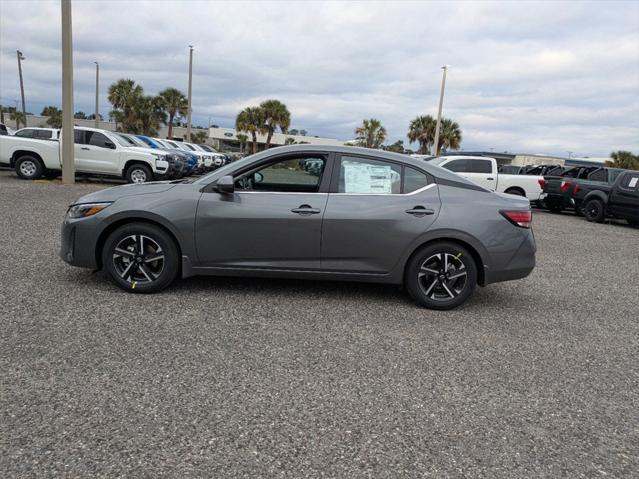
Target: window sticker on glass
{"points": [[633, 182], [363, 178]]}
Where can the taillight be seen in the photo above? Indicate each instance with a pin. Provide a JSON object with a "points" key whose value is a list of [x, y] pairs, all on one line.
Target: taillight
{"points": [[542, 183], [523, 219], [576, 189], [565, 186]]}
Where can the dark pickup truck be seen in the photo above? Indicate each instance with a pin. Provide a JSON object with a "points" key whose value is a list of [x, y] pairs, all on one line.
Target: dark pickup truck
{"points": [[621, 199], [560, 192]]}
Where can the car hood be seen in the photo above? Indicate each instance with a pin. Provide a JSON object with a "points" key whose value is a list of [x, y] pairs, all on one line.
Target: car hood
{"points": [[112, 194]]}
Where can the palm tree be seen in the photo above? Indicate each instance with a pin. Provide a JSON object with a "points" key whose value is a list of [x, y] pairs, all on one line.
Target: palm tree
{"points": [[251, 120], [450, 135], [289, 140], [276, 115], [175, 104], [123, 95], [146, 115], [372, 134], [242, 138], [422, 130], [18, 117], [623, 159]]}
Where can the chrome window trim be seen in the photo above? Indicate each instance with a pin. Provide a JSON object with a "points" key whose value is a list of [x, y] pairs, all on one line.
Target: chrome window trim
{"points": [[424, 188]]}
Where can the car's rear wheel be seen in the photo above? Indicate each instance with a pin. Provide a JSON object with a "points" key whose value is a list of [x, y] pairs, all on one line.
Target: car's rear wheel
{"points": [[441, 275], [515, 191], [141, 258], [594, 210], [138, 174], [29, 168]]}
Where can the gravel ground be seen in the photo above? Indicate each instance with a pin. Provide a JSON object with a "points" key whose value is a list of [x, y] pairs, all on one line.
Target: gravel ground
{"points": [[263, 378]]}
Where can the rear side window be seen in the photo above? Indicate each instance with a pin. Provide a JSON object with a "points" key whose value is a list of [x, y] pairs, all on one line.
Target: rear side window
{"points": [[599, 175], [480, 166], [26, 133], [79, 136], [44, 134], [457, 166], [367, 176], [414, 180]]}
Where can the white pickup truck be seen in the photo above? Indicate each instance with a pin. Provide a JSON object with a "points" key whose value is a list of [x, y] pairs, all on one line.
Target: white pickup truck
{"points": [[483, 171], [97, 152]]}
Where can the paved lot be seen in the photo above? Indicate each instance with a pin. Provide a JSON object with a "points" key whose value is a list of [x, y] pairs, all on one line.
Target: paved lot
{"points": [[246, 377]]}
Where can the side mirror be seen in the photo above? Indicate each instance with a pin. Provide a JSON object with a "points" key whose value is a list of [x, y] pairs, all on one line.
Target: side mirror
{"points": [[109, 144], [226, 184], [258, 177]]}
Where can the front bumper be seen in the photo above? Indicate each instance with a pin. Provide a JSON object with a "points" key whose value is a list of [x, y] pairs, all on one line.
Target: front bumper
{"points": [[79, 242]]}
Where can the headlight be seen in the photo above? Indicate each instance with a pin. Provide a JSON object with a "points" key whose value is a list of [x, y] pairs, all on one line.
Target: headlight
{"points": [[86, 209], [159, 157]]}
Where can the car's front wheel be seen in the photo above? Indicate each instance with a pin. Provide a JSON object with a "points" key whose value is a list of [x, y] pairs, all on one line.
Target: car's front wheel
{"points": [[441, 275], [138, 173], [29, 168], [141, 258]]}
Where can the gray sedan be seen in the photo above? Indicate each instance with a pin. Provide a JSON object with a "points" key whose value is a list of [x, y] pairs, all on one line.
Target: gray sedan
{"points": [[305, 211]]}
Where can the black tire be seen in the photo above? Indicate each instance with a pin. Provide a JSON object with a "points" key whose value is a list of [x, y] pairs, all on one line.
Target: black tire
{"points": [[29, 167], [430, 286], [51, 174], [134, 272], [515, 191], [138, 173], [595, 210]]}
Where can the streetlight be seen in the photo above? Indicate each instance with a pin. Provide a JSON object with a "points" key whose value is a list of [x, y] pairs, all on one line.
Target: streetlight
{"points": [[24, 108], [439, 113], [188, 121], [68, 156], [97, 89]]}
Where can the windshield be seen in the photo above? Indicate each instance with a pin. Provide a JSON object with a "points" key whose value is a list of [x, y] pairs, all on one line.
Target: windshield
{"points": [[136, 141], [123, 140], [190, 147], [163, 144], [208, 148]]}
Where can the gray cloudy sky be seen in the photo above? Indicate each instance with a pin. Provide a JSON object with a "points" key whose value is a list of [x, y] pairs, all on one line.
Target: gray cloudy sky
{"points": [[547, 77]]}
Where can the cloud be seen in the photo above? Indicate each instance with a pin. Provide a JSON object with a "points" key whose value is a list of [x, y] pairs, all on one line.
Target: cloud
{"points": [[548, 77]]}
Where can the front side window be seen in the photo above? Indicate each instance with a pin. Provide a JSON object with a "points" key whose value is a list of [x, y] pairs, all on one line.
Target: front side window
{"points": [[365, 176], [295, 175], [96, 138]]}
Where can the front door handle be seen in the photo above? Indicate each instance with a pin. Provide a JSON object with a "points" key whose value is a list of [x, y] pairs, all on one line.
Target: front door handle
{"points": [[420, 211], [305, 210], [85, 148], [490, 179]]}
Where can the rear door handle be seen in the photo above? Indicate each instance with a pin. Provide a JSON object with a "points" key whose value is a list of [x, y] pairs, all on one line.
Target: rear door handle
{"points": [[490, 179], [85, 148], [420, 211], [305, 210]]}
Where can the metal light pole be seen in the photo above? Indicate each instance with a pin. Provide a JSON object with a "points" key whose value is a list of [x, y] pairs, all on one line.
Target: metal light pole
{"points": [[24, 108], [97, 89], [439, 113], [188, 120], [68, 156]]}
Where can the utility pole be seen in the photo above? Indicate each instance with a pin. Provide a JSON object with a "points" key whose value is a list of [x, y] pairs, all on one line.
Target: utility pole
{"points": [[97, 89], [24, 108], [188, 121], [439, 113], [68, 140]]}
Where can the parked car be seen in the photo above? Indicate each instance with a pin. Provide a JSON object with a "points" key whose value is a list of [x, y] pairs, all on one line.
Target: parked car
{"points": [[39, 133], [192, 161], [542, 170], [483, 171], [205, 161], [219, 159], [97, 152], [176, 168], [620, 200], [559, 191], [4, 131], [371, 216]]}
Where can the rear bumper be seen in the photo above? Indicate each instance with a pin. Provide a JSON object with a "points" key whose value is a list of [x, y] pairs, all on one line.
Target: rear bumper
{"points": [[520, 264]]}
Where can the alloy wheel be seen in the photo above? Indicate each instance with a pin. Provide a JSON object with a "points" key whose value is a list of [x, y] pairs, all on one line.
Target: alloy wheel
{"points": [[442, 276], [138, 259]]}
